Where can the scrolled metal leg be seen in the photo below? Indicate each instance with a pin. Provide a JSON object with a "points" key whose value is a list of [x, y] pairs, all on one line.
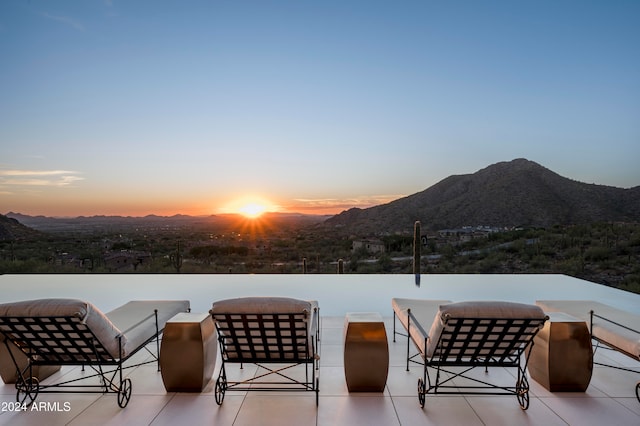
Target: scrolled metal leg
{"points": [[421, 392]]}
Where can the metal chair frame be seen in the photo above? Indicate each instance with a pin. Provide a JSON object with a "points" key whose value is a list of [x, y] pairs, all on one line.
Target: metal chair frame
{"points": [[283, 339], [471, 343], [66, 340], [610, 346]]}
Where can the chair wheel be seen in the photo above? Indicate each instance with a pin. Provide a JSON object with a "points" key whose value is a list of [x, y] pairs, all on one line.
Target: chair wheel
{"points": [[220, 389], [522, 392], [124, 393], [421, 392], [27, 390]]}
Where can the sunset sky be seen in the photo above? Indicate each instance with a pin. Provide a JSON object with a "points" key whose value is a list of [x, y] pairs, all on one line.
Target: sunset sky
{"points": [[202, 107]]}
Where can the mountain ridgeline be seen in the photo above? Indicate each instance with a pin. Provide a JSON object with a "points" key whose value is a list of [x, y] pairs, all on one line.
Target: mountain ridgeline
{"points": [[518, 193], [506, 194], [11, 229]]}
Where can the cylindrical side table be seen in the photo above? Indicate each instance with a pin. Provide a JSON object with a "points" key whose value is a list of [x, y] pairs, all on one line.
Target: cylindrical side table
{"points": [[8, 371], [366, 352], [188, 352], [562, 358]]}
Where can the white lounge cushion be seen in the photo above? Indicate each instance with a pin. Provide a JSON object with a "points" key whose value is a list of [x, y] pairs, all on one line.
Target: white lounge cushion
{"points": [[137, 322], [491, 309], [262, 305], [423, 310]]}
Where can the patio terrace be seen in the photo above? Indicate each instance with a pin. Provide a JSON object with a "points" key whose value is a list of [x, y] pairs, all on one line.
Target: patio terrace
{"points": [[610, 398]]}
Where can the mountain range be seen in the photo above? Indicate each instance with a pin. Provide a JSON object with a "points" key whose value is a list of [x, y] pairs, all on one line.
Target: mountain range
{"points": [[506, 194], [12, 229], [151, 223]]}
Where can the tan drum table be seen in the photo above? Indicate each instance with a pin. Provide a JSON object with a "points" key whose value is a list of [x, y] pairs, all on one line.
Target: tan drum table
{"points": [[366, 352], [8, 371], [188, 352], [562, 358]]}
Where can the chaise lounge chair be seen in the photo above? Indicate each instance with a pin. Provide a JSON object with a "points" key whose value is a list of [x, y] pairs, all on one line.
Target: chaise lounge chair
{"points": [[268, 330], [469, 335], [75, 332]]}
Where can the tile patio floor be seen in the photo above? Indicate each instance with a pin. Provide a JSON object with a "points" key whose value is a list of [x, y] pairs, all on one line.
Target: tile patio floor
{"points": [[609, 400]]}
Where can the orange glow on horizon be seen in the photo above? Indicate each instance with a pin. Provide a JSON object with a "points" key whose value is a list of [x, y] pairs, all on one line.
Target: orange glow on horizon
{"points": [[250, 206]]}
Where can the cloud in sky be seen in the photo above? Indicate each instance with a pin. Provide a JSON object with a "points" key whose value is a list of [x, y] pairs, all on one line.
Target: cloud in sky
{"points": [[65, 20], [331, 204], [39, 177]]}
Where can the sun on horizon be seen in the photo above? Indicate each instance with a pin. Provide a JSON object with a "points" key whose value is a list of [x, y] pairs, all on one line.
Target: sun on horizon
{"points": [[251, 207], [252, 210]]}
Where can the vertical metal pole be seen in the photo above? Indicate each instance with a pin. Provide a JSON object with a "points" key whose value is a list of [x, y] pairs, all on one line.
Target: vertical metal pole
{"points": [[408, 334], [155, 311]]}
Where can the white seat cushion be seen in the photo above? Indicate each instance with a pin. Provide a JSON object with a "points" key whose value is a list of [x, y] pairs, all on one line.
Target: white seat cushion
{"points": [[620, 337], [137, 322], [423, 310]]}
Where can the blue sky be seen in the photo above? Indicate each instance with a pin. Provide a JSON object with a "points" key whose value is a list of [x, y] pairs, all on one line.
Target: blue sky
{"points": [[196, 107]]}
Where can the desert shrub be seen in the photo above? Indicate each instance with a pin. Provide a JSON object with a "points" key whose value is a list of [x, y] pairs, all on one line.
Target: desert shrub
{"points": [[598, 254], [539, 262], [631, 283]]}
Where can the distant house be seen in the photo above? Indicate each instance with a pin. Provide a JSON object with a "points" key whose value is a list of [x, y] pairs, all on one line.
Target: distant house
{"points": [[457, 233], [466, 233], [67, 259], [126, 260], [371, 245]]}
